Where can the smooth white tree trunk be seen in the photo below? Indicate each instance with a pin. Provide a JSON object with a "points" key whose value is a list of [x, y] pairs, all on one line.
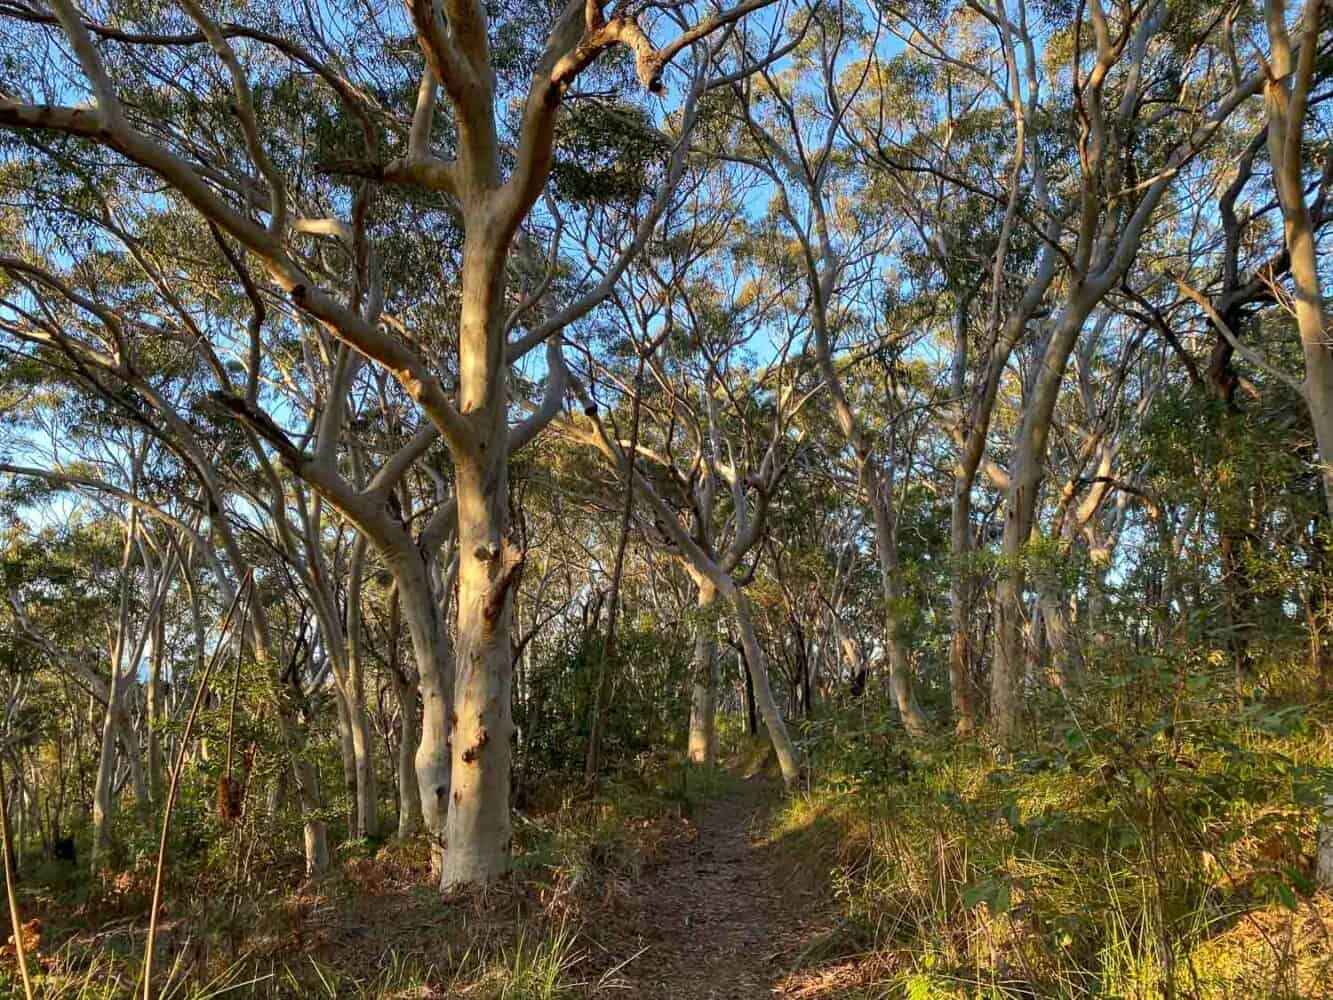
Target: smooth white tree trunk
{"points": [[432, 763], [106, 773], [409, 792]]}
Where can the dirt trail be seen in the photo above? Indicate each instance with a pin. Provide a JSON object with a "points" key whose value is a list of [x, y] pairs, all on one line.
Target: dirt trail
{"points": [[720, 919]]}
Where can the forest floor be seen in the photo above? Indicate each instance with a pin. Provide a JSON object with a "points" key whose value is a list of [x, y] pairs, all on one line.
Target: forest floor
{"points": [[664, 895], [723, 915]]}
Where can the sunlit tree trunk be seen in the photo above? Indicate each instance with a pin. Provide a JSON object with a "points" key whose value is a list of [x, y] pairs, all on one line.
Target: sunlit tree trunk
{"points": [[1286, 98], [895, 613], [478, 827], [1025, 475]]}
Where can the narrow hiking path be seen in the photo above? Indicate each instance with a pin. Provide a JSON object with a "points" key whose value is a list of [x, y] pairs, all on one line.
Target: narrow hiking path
{"points": [[721, 918]]}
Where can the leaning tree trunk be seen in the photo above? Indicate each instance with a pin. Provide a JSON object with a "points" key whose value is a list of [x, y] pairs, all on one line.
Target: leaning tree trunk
{"points": [[900, 667], [1025, 474], [788, 759], [703, 687]]}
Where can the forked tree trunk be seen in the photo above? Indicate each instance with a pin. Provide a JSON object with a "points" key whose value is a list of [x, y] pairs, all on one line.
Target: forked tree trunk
{"points": [[1025, 475], [703, 688]]}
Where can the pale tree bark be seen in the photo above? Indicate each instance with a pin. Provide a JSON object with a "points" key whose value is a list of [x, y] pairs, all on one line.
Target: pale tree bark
{"points": [[789, 759], [405, 692], [363, 759], [126, 654], [878, 496], [1089, 483], [454, 39], [1025, 473], [1107, 240], [106, 760], [155, 710], [702, 746], [348, 755], [1017, 83], [793, 169], [1286, 99], [220, 550], [601, 686], [718, 574]]}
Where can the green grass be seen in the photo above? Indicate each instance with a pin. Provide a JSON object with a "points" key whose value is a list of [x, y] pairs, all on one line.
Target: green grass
{"points": [[1124, 850]]}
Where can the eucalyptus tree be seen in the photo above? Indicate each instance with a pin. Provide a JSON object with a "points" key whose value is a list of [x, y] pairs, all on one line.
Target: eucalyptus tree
{"points": [[710, 438], [1118, 380], [489, 168], [1239, 265], [1101, 214], [792, 135], [103, 350], [938, 122], [1290, 77]]}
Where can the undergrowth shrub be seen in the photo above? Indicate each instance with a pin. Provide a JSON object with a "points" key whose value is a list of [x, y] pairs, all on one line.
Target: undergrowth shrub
{"points": [[645, 713], [1129, 847]]}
